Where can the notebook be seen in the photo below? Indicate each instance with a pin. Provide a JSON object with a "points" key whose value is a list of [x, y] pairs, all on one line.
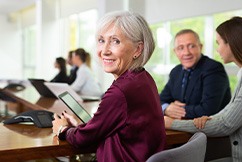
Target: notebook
{"points": [[41, 88], [59, 88], [75, 107]]}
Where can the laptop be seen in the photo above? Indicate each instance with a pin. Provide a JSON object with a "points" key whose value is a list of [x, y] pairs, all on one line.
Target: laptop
{"points": [[75, 107], [41, 88], [59, 88]]}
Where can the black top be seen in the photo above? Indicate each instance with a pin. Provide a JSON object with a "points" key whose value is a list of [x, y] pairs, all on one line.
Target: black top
{"points": [[72, 76], [61, 77]]}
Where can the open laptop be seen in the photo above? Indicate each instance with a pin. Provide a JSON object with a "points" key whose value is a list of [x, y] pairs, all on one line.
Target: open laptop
{"points": [[59, 88], [75, 107], [41, 88]]}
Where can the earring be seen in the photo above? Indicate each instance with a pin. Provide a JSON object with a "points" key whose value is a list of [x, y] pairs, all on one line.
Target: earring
{"points": [[135, 57]]}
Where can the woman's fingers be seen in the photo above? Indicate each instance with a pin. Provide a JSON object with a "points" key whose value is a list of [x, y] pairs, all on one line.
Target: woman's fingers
{"points": [[201, 122]]}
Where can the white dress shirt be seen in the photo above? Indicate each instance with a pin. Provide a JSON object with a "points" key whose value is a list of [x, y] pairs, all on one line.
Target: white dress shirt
{"points": [[85, 83]]}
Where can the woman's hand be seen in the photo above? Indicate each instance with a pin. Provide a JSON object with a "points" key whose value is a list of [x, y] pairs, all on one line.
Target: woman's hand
{"points": [[168, 122], [58, 122], [72, 121], [201, 122]]}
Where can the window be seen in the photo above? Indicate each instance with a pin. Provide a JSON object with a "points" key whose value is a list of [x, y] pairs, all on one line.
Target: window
{"points": [[29, 54], [164, 59], [82, 29]]}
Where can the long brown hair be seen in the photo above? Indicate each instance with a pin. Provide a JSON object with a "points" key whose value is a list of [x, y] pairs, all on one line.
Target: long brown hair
{"points": [[62, 63], [231, 32], [84, 56]]}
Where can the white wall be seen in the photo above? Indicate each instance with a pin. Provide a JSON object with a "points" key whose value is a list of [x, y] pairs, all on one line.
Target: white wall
{"points": [[28, 17], [48, 38], [69, 7], [164, 10], [10, 49]]}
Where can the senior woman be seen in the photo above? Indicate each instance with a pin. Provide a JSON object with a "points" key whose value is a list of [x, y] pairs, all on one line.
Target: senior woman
{"points": [[128, 125]]}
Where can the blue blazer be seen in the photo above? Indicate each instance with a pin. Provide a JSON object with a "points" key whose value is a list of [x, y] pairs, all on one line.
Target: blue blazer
{"points": [[207, 92]]}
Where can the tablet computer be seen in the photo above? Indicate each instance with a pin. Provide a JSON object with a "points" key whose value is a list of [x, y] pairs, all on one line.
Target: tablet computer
{"points": [[75, 107]]}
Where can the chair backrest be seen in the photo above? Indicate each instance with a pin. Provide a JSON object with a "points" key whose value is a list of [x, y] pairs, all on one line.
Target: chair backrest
{"points": [[192, 151]]}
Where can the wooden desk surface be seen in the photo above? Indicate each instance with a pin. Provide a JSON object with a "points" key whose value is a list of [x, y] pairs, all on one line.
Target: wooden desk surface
{"points": [[20, 142], [25, 142], [176, 137]]}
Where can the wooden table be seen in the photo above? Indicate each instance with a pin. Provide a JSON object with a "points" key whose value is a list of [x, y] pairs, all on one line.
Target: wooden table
{"points": [[20, 142], [176, 138]]}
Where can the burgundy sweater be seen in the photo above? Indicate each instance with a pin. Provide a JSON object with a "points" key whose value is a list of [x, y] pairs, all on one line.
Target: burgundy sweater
{"points": [[128, 125]]}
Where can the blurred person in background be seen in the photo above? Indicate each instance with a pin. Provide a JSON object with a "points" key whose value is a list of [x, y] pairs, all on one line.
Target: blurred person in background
{"points": [[73, 70], [61, 77], [85, 82]]}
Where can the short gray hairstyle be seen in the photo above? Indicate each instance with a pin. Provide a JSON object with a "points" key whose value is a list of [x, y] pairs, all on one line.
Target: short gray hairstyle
{"points": [[135, 27], [187, 31]]}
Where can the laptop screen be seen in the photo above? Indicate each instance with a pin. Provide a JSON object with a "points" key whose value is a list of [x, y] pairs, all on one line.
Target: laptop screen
{"points": [[75, 107], [59, 88], [41, 88]]}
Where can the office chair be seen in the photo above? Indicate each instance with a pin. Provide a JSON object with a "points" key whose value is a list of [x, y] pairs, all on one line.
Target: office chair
{"points": [[192, 151]]}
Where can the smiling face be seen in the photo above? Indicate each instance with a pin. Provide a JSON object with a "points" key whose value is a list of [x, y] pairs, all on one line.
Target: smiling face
{"points": [[115, 51], [187, 49]]}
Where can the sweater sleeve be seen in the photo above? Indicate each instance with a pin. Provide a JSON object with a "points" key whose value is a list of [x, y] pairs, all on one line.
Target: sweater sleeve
{"points": [[223, 123], [109, 117]]}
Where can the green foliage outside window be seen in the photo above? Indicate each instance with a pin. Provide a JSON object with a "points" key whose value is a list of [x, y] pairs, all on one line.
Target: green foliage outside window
{"points": [[218, 19], [163, 58], [29, 54], [198, 24], [232, 81], [157, 55]]}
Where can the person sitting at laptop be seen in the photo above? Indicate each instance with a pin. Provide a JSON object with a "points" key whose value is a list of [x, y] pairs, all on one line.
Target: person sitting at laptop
{"points": [[85, 83], [73, 70], [128, 125], [61, 77]]}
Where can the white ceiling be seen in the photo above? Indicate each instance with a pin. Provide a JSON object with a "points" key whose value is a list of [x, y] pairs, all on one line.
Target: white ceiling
{"points": [[8, 6]]}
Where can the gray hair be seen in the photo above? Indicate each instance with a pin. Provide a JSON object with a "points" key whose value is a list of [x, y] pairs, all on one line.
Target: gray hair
{"points": [[186, 31], [135, 27]]}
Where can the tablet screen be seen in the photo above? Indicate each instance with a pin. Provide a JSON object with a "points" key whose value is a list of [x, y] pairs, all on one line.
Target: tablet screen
{"points": [[75, 107]]}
